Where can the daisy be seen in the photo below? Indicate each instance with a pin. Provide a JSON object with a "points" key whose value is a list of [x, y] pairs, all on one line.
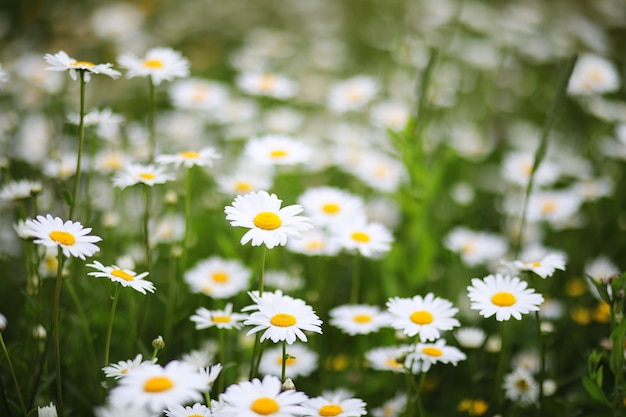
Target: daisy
{"points": [[4, 77], [121, 369], [520, 387], [369, 239], [203, 157], [283, 120], [553, 206], [268, 223], [380, 171], [156, 388], [160, 64], [198, 94], [314, 242], [218, 277], [302, 361], [428, 354], [335, 407], [126, 277], [391, 358], [327, 205], [20, 189], [283, 280], [544, 266], [3, 322], [390, 114], [141, 174], [267, 84], [391, 408], [222, 319], [358, 319], [61, 61], [198, 358], [352, 94], [517, 168], [261, 398], [47, 411], [276, 149], [424, 316], [106, 122], [474, 247], [70, 236], [470, 337], [196, 410], [504, 296], [593, 75], [246, 178], [282, 318]]}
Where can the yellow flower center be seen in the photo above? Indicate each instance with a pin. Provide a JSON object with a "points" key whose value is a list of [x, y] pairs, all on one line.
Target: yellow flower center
{"points": [[153, 63], [362, 318], [121, 274], [536, 264], [503, 299], [360, 237], [220, 277], [468, 248], [243, 186], [220, 319], [158, 384], [548, 207], [290, 360], [267, 82], [195, 415], [331, 410], [147, 176], [283, 320], [432, 351], [189, 155], [331, 208], [522, 385], [82, 64], [421, 317], [64, 238], [265, 406], [393, 363], [267, 220], [314, 245], [278, 153]]}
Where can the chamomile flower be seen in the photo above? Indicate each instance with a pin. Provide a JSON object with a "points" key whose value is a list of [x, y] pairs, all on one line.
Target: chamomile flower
{"points": [[61, 61], [424, 316], [120, 369], [474, 247], [391, 358], [245, 179], [327, 205], [470, 337], [267, 84], [390, 114], [71, 237], [517, 168], [503, 296], [334, 406], [593, 75], [269, 224], [544, 266], [276, 149], [352, 94], [302, 361], [198, 358], [125, 277], [218, 277], [198, 94], [314, 242], [260, 398], [281, 317], [160, 64], [428, 354], [393, 407], [222, 319], [141, 174], [521, 387], [370, 239], [203, 157], [47, 411], [157, 388], [284, 280], [196, 410], [20, 189], [380, 171], [358, 318]]}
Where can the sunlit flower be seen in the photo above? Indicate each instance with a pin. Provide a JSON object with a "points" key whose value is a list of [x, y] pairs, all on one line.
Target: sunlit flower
{"points": [[334, 406], [520, 387], [369, 239], [245, 179], [125, 277], [267, 84], [314, 242], [428, 354], [358, 318], [276, 149], [156, 388], [380, 171], [71, 237], [424, 316], [475, 247], [504, 296], [203, 157], [281, 317], [20, 189], [120, 369], [160, 64], [218, 277], [352, 94], [391, 358], [141, 174], [221, 318], [196, 410], [198, 94], [61, 61], [593, 75], [326, 205], [302, 361], [544, 266], [269, 224], [260, 398]]}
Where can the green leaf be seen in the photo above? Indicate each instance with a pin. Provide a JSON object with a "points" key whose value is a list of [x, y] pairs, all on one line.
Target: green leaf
{"points": [[594, 391], [67, 196]]}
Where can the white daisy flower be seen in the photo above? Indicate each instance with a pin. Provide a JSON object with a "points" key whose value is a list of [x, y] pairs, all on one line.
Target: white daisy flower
{"points": [[428, 354], [518, 166], [70, 236], [371, 240], [141, 174], [424, 316], [314, 242], [601, 268], [203, 157], [544, 266], [276, 149], [218, 277], [283, 280], [352, 94], [474, 247], [221, 318], [390, 114], [267, 84], [335, 407], [269, 224], [125, 277], [327, 205], [283, 120], [198, 94], [281, 317], [593, 75], [4, 77], [520, 387], [157, 388], [160, 64], [380, 171], [61, 61], [391, 408], [196, 410], [3, 322], [504, 296], [120, 369], [302, 361], [106, 122], [391, 358], [470, 337], [245, 179], [553, 206], [212, 372], [20, 189], [47, 411], [261, 398], [359, 318]]}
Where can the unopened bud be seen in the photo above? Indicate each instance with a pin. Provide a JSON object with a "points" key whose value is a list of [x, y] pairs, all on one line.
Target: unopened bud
{"points": [[288, 385], [158, 343]]}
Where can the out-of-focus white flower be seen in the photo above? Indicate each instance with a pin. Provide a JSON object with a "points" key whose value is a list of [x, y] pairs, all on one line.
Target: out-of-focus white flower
{"points": [[160, 64], [593, 75], [267, 84], [352, 94]]}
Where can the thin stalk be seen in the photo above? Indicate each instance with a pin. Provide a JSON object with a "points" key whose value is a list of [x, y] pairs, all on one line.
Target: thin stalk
{"points": [[262, 270], [81, 140], [183, 261], [255, 365], [107, 344], [17, 385], [151, 120], [283, 369], [222, 344], [542, 363], [146, 228], [418, 396], [501, 364], [356, 279], [57, 344]]}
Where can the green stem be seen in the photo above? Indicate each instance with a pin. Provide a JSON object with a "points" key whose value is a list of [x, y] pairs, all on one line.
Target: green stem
{"points": [[107, 344], [146, 228], [501, 364], [151, 120], [17, 386], [283, 369], [57, 344], [542, 363], [356, 279], [262, 270], [418, 396], [222, 357], [183, 263], [254, 365], [81, 140]]}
